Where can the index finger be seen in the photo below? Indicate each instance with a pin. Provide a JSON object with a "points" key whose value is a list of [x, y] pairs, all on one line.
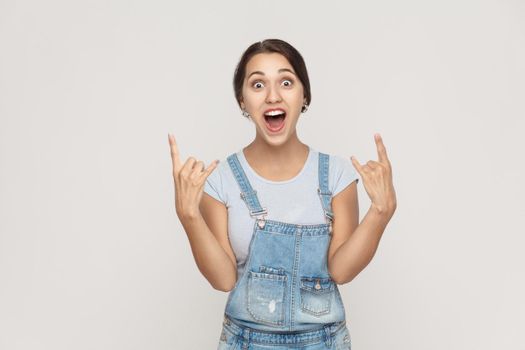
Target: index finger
{"points": [[174, 152]]}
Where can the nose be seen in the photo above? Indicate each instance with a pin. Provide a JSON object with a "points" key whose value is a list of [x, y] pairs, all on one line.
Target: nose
{"points": [[273, 96]]}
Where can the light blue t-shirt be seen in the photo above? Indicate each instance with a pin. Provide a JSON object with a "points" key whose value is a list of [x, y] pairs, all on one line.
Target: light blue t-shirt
{"points": [[293, 201]]}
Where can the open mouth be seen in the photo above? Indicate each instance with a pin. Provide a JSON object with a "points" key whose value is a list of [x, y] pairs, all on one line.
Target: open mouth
{"points": [[275, 122]]}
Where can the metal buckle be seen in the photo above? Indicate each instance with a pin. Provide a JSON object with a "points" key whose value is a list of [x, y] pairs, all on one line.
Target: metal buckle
{"points": [[260, 216]]}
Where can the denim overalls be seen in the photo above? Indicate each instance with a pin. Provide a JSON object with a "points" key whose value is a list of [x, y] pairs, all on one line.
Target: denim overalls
{"points": [[285, 295]]}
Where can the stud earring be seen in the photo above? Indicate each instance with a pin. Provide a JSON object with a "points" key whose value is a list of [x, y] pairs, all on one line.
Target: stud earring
{"points": [[304, 109], [245, 114]]}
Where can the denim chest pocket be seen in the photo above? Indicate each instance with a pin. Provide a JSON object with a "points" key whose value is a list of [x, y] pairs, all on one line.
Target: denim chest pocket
{"points": [[316, 295], [266, 295]]}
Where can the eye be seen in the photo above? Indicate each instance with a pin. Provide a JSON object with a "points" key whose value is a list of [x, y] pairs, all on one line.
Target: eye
{"points": [[290, 82], [256, 82]]}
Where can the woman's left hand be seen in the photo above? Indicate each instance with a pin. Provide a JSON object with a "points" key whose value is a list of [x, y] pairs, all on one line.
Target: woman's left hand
{"points": [[377, 180]]}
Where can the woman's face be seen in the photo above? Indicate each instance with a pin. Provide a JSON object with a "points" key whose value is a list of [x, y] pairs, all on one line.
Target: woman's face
{"points": [[271, 84]]}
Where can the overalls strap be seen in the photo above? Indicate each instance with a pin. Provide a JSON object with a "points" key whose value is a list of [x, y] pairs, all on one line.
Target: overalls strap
{"points": [[248, 194], [323, 190]]}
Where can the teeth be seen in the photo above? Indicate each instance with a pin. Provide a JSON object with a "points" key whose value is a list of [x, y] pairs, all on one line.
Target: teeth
{"points": [[274, 113]]}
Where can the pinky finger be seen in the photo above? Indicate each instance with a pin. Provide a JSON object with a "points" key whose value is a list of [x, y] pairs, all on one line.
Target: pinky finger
{"points": [[357, 166], [206, 172]]}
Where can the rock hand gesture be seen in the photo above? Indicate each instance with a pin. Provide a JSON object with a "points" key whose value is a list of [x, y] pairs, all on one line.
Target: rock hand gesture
{"points": [[377, 180], [189, 178]]}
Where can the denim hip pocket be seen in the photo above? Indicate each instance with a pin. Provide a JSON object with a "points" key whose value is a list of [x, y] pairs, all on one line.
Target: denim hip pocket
{"points": [[316, 295], [266, 296]]}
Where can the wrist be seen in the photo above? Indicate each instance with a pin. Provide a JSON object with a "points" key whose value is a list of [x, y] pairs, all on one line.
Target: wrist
{"points": [[189, 216], [381, 210]]}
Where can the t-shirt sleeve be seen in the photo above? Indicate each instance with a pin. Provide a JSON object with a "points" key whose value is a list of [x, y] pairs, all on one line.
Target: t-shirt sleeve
{"points": [[213, 185], [342, 174]]}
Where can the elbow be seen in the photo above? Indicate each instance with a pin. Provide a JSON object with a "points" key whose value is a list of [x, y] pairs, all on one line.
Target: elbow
{"points": [[220, 288], [335, 274], [348, 275], [342, 280], [223, 287], [336, 278], [343, 277], [223, 282], [345, 280]]}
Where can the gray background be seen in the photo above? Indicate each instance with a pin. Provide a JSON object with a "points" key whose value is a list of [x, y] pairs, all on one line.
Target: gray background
{"points": [[92, 255]]}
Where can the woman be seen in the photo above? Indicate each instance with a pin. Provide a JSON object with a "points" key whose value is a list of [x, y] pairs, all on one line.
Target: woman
{"points": [[278, 226]]}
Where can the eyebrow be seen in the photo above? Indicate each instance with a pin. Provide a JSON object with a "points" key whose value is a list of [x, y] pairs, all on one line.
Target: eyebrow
{"points": [[279, 71]]}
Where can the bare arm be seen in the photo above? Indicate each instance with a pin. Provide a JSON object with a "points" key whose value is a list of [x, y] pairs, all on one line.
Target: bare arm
{"points": [[353, 245], [208, 236], [204, 219]]}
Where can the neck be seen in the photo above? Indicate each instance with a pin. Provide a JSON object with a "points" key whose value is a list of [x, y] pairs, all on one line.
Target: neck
{"points": [[263, 155]]}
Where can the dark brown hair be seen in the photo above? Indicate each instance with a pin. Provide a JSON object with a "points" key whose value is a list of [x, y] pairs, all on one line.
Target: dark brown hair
{"points": [[268, 46]]}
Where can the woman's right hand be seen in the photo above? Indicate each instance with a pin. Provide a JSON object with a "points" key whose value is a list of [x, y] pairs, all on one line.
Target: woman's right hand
{"points": [[189, 179]]}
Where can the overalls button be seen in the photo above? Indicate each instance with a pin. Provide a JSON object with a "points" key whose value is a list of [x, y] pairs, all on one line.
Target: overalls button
{"points": [[317, 286]]}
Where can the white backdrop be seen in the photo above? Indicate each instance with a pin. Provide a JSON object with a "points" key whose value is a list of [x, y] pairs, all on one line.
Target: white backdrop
{"points": [[92, 255]]}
